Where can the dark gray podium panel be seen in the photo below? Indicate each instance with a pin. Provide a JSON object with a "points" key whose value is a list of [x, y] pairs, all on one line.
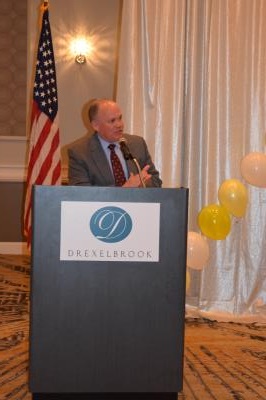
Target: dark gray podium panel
{"points": [[107, 326]]}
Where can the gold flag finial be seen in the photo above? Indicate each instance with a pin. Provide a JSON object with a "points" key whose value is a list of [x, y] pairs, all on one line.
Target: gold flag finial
{"points": [[44, 5]]}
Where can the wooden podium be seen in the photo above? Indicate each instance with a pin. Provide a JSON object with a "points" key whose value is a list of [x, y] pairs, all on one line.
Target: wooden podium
{"points": [[107, 324]]}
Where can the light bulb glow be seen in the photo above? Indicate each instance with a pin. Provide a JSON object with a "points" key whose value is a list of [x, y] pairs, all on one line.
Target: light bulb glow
{"points": [[81, 48], [95, 45]]}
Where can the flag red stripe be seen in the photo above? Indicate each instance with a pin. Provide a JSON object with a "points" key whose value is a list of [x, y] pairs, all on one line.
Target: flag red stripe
{"points": [[35, 112], [56, 173], [27, 226], [27, 216], [44, 171], [37, 148], [46, 165]]}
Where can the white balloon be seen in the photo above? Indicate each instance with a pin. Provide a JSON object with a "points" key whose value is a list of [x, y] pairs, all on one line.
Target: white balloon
{"points": [[253, 169], [198, 251]]}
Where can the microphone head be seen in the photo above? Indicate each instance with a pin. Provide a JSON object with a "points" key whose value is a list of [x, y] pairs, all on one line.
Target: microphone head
{"points": [[125, 150], [122, 140]]}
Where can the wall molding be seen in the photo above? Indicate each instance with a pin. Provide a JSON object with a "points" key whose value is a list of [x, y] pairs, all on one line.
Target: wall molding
{"points": [[18, 173], [13, 139], [12, 173], [12, 158], [14, 248]]}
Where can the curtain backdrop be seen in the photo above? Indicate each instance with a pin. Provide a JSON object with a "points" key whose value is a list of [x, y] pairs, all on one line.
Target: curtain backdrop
{"points": [[192, 82]]}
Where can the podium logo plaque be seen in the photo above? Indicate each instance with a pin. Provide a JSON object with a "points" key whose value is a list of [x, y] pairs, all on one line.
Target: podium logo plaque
{"points": [[98, 231]]}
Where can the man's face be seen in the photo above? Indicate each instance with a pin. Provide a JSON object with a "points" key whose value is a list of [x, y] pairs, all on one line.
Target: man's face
{"points": [[109, 123]]}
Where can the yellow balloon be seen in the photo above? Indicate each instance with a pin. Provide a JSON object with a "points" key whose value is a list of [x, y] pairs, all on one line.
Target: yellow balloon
{"points": [[214, 221], [233, 196]]}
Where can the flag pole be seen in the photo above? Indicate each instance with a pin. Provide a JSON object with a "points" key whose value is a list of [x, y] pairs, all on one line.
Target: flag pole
{"points": [[44, 153]]}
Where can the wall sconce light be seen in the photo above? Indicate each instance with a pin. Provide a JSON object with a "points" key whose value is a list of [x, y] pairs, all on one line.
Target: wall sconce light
{"points": [[80, 58], [80, 48]]}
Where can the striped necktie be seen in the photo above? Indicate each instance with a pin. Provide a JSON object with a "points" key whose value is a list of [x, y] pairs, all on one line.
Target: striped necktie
{"points": [[118, 171]]}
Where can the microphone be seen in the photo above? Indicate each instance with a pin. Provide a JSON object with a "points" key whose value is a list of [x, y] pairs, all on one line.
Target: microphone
{"points": [[125, 150], [128, 156]]}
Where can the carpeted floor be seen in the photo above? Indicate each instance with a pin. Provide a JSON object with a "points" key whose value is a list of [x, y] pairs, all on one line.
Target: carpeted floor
{"points": [[222, 360]]}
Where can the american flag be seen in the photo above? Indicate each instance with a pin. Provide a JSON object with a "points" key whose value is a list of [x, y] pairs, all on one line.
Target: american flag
{"points": [[44, 161]]}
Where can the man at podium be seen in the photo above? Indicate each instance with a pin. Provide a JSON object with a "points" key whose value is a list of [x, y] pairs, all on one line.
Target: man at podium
{"points": [[112, 327], [110, 157]]}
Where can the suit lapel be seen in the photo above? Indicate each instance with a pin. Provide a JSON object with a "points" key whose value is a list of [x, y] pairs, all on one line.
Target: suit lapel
{"points": [[99, 158]]}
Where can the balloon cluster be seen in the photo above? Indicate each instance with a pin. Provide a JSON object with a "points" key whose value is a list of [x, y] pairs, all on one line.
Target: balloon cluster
{"points": [[214, 220]]}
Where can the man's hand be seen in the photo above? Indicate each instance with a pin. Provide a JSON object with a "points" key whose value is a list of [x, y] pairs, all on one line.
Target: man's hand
{"points": [[135, 181]]}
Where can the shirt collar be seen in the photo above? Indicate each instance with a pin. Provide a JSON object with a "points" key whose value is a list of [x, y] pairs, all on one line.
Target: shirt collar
{"points": [[104, 143]]}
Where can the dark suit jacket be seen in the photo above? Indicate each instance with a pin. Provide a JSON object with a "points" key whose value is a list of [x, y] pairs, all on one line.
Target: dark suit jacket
{"points": [[88, 164]]}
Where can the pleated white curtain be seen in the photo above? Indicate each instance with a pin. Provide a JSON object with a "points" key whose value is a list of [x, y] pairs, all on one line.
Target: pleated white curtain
{"points": [[192, 81]]}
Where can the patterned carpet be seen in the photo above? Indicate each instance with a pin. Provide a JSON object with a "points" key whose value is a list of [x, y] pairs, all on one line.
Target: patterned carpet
{"points": [[14, 327], [222, 360]]}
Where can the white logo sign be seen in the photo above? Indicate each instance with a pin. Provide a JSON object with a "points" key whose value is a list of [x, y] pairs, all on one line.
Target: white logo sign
{"points": [[100, 231]]}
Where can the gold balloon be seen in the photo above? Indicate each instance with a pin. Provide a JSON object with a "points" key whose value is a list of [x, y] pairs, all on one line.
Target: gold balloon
{"points": [[214, 221], [233, 196]]}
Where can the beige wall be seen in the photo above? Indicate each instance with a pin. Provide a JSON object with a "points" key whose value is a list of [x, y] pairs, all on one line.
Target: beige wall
{"points": [[76, 85], [11, 204], [13, 46]]}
